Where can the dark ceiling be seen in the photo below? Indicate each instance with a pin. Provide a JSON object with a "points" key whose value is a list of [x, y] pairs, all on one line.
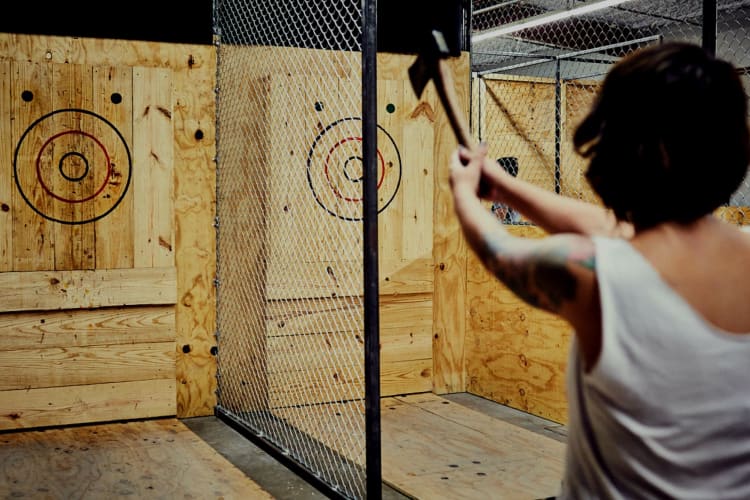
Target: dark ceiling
{"points": [[174, 21]]}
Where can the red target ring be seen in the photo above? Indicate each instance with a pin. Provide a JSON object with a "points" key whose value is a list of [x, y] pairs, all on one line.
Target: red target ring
{"points": [[381, 162], [49, 191]]}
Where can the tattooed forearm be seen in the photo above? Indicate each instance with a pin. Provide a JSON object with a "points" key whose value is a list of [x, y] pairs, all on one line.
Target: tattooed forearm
{"points": [[537, 272]]}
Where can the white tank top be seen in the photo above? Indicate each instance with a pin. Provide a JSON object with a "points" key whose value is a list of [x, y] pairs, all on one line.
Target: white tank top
{"points": [[665, 413]]}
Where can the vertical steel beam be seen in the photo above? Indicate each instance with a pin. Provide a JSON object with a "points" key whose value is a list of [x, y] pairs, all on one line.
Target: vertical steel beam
{"points": [[709, 26], [370, 248]]}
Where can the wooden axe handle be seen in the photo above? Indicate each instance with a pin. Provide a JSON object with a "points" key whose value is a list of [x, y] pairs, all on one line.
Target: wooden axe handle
{"points": [[447, 93]]}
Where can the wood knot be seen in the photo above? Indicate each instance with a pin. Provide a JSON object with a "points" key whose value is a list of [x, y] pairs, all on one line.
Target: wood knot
{"points": [[425, 109]]}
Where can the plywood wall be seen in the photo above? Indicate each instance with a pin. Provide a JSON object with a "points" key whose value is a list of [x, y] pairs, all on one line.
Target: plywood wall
{"points": [[106, 230], [517, 119], [516, 354]]}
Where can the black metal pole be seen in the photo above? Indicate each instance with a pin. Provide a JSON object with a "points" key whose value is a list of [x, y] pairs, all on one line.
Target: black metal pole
{"points": [[370, 244], [709, 26], [558, 125]]}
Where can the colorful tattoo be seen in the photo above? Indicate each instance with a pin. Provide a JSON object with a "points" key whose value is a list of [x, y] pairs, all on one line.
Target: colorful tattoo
{"points": [[538, 271]]}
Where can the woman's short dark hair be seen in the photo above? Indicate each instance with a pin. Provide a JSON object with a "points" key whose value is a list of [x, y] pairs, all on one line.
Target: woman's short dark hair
{"points": [[667, 138]]}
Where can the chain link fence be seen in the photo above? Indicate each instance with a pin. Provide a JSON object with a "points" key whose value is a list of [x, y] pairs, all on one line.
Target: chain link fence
{"points": [[536, 70], [289, 203], [290, 313]]}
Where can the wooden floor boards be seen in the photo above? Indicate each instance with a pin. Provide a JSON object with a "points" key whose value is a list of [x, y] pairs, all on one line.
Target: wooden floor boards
{"points": [[156, 459], [432, 449], [435, 449]]}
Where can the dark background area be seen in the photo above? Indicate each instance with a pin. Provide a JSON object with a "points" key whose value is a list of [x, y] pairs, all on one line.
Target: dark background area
{"points": [[401, 23], [151, 20]]}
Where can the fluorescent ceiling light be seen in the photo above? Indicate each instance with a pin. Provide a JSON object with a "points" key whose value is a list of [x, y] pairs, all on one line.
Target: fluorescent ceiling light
{"points": [[549, 17]]}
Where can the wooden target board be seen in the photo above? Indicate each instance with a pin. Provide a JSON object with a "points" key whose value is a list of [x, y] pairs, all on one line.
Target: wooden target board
{"points": [[315, 177], [88, 243], [90, 184]]}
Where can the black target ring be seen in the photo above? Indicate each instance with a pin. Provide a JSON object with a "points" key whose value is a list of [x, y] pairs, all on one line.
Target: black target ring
{"points": [[335, 169], [107, 183]]}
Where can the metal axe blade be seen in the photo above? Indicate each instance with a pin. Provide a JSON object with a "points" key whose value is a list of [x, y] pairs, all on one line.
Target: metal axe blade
{"points": [[424, 67], [431, 65]]}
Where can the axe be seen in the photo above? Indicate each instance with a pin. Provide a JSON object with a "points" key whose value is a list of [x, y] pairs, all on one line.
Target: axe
{"points": [[431, 64]]}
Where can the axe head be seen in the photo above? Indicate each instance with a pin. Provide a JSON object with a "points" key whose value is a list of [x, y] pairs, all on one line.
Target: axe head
{"points": [[425, 66]]}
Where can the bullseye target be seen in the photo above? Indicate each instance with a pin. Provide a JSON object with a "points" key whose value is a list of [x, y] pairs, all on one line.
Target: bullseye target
{"points": [[335, 169], [72, 166]]}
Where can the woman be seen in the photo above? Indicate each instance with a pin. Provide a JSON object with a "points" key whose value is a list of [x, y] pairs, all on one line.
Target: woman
{"points": [[656, 287]]}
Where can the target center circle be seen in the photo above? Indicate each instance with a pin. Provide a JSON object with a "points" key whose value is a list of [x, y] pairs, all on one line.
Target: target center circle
{"points": [[354, 163], [73, 166]]}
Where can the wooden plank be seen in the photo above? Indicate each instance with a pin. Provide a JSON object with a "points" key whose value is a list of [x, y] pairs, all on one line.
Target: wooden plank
{"points": [[297, 116], [51, 290], [391, 115], [315, 190], [76, 168], [314, 335], [413, 276], [305, 368], [308, 385], [343, 279], [27, 408], [72, 366], [449, 255], [153, 158], [432, 448], [113, 99], [322, 366], [518, 78], [341, 382], [409, 344], [304, 317], [104, 52], [343, 314], [317, 352], [405, 344], [405, 311], [421, 165], [83, 327], [33, 244], [516, 354], [406, 377], [6, 181], [194, 119], [303, 386], [149, 459]]}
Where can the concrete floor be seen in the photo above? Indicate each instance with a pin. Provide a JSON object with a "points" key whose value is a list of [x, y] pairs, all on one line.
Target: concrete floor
{"points": [[284, 484]]}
